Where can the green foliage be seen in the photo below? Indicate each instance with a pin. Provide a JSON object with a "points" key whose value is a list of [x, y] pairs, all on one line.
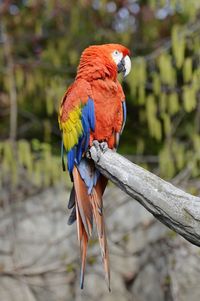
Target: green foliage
{"points": [[153, 122], [178, 45], [167, 72], [171, 93], [35, 160], [187, 70]]}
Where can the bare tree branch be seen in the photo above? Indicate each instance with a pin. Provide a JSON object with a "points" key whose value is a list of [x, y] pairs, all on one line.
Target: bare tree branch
{"points": [[175, 208]]}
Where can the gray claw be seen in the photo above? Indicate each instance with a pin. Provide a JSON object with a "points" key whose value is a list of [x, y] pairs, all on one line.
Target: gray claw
{"points": [[96, 144], [88, 154], [104, 146]]}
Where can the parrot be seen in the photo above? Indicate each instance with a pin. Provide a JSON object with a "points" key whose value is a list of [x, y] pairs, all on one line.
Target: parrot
{"points": [[92, 113]]}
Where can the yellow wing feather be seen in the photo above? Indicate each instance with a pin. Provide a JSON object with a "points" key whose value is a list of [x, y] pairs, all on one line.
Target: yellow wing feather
{"points": [[72, 128]]}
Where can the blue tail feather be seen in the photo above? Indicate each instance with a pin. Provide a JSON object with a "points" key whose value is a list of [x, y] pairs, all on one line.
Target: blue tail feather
{"points": [[88, 174]]}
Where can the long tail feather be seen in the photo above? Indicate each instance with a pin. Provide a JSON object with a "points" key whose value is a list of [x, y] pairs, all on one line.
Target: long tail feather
{"points": [[86, 207], [84, 244], [83, 240], [79, 225], [71, 199], [96, 199], [72, 216]]}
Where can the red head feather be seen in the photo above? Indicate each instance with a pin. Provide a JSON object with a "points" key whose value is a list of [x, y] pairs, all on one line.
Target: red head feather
{"points": [[97, 62]]}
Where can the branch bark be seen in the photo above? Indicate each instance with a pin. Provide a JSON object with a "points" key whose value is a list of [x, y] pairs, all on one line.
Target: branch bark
{"points": [[175, 208]]}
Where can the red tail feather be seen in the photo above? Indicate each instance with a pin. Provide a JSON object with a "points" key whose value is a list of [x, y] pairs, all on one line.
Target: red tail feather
{"points": [[87, 208], [82, 198], [95, 199]]}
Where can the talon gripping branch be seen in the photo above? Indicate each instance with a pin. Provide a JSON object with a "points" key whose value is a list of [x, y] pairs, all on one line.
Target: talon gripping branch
{"points": [[93, 108]]}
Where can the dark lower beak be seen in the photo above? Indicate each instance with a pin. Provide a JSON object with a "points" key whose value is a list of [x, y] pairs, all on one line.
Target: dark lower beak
{"points": [[121, 67]]}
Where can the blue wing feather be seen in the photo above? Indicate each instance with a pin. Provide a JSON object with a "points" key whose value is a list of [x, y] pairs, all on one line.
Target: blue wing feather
{"points": [[70, 159], [74, 156], [62, 155], [124, 114], [117, 135], [91, 116], [79, 150], [88, 124]]}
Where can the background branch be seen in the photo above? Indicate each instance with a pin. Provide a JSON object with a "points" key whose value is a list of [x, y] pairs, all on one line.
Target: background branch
{"points": [[175, 208]]}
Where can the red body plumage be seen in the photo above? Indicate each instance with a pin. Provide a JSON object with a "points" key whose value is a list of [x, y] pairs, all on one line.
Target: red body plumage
{"points": [[97, 82]]}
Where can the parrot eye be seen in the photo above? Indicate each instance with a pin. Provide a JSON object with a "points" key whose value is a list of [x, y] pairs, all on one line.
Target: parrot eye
{"points": [[116, 52], [117, 56]]}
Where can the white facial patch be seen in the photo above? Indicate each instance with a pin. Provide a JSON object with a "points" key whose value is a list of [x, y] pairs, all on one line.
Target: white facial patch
{"points": [[127, 61], [117, 56]]}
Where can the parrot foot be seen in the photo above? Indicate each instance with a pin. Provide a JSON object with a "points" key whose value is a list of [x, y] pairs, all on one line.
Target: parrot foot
{"points": [[103, 146], [100, 147], [96, 144]]}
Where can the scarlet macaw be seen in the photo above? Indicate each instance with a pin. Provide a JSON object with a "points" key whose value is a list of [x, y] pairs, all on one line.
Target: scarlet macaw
{"points": [[93, 109]]}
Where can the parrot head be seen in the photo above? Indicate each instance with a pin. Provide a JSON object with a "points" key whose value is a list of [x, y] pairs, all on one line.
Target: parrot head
{"points": [[100, 61], [120, 55]]}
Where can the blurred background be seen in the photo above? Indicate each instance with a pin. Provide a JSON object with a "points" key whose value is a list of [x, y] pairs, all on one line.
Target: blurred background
{"points": [[40, 46]]}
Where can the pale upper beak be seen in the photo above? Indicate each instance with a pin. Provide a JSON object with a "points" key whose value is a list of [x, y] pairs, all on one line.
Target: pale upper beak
{"points": [[124, 65]]}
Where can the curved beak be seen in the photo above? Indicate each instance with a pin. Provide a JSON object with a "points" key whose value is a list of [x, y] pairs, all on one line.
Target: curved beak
{"points": [[124, 65]]}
